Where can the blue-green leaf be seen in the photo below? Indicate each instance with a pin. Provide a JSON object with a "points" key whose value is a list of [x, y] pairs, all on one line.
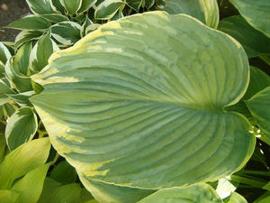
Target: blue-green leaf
{"points": [[121, 107]]}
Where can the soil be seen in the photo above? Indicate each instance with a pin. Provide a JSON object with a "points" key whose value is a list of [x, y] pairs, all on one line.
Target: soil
{"points": [[11, 10]]}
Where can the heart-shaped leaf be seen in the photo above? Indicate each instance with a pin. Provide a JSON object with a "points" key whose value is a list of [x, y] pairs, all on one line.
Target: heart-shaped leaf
{"points": [[152, 116]]}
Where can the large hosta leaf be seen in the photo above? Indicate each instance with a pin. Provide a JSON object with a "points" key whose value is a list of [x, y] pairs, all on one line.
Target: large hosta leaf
{"points": [[205, 10], [200, 193], [257, 13], [140, 102]]}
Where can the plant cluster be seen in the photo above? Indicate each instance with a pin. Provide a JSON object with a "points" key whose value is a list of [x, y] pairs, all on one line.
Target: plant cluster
{"points": [[141, 100]]}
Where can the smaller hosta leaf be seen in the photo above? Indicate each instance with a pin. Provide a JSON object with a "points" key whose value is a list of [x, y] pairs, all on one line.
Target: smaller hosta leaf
{"points": [[206, 11], [257, 13], [259, 108], [17, 69], [4, 53], [31, 22], [106, 193], [21, 127], [22, 160], [30, 186], [107, 9], [27, 36], [22, 98], [4, 91], [66, 33], [55, 18], [135, 4], [254, 42], [41, 52], [236, 198], [57, 6], [86, 5], [22, 59], [71, 6], [40, 6], [199, 193]]}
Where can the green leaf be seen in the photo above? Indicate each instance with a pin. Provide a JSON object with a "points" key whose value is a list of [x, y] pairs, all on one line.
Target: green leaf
{"points": [[64, 173], [86, 5], [265, 198], [254, 42], [22, 98], [22, 59], [256, 13], [41, 53], [258, 81], [58, 6], [66, 33], [135, 4], [236, 198], [21, 127], [2, 147], [30, 186], [259, 108], [17, 69], [4, 91], [8, 196], [27, 36], [205, 10], [106, 193], [54, 192], [71, 6], [202, 193], [40, 6], [153, 108], [30, 22], [107, 9], [4, 53], [55, 18], [22, 160]]}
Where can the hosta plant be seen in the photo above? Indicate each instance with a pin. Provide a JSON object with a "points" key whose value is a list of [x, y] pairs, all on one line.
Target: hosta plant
{"points": [[142, 101]]}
